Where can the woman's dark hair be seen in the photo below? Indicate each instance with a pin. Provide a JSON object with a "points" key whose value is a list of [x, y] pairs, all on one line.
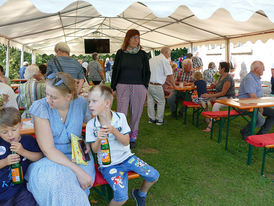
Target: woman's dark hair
{"points": [[225, 65], [130, 33]]}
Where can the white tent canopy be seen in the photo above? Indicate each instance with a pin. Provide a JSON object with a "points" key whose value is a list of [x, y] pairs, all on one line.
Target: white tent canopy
{"points": [[39, 24]]}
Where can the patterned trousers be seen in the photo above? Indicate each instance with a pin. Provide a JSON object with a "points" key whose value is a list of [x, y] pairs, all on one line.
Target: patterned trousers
{"points": [[132, 96]]}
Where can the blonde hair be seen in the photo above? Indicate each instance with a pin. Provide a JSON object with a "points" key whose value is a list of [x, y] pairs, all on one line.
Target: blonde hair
{"points": [[67, 87], [211, 65], [198, 76], [105, 91], [63, 47], [31, 71]]}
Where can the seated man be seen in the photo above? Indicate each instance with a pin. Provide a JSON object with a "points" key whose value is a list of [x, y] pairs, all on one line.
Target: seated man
{"points": [[185, 76], [8, 92], [251, 88]]}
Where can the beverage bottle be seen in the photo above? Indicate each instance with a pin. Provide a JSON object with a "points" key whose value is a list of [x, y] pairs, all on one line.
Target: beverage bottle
{"points": [[17, 173], [105, 152]]}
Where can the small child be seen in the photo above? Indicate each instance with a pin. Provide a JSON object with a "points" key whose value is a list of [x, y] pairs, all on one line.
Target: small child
{"points": [[114, 126], [26, 149], [201, 89]]}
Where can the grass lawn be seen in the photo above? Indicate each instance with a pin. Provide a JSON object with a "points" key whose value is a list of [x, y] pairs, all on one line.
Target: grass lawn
{"points": [[198, 171]]}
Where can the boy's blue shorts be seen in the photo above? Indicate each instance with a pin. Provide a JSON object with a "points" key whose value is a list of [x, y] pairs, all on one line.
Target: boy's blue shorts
{"points": [[117, 175]]}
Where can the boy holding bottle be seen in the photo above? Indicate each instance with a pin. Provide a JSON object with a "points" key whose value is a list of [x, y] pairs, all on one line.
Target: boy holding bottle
{"points": [[15, 148], [114, 127]]}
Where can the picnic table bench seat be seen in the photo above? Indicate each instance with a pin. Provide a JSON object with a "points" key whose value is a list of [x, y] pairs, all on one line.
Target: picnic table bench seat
{"points": [[102, 187], [266, 141], [218, 116]]}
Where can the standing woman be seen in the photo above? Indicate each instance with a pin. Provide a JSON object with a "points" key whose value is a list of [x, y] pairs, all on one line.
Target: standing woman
{"points": [[56, 180], [130, 78]]}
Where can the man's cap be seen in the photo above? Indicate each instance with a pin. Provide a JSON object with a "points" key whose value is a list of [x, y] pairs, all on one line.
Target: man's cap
{"points": [[25, 63]]}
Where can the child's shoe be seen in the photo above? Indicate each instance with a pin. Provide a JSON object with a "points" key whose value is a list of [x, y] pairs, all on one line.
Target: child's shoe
{"points": [[209, 105], [203, 104], [140, 201]]}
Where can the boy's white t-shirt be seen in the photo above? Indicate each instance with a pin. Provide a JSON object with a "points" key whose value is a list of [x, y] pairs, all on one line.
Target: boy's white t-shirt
{"points": [[118, 151]]}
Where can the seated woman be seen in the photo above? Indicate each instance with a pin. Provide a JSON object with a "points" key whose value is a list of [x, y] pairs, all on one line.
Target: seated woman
{"points": [[209, 73], [225, 88], [56, 180], [32, 90], [167, 86]]}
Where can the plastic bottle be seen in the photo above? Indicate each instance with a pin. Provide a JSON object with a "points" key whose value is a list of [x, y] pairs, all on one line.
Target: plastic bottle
{"points": [[17, 173]]}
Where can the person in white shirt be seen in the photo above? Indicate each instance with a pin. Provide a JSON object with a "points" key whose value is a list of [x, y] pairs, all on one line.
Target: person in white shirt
{"points": [[7, 90], [160, 70]]}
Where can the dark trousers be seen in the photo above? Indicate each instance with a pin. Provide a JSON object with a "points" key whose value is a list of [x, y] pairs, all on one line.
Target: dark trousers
{"points": [[96, 82], [23, 197], [265, 124]]}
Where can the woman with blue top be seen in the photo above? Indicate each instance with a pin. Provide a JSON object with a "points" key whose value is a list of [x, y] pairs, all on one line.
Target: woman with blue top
{"points": [[55, 180]]}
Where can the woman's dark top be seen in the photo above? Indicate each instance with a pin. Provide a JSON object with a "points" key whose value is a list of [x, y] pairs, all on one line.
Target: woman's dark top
{"points": [[130, 69], [219, 86]]}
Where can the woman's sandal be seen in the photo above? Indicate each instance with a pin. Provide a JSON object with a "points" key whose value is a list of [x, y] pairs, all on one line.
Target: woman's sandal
{"points": [[207, 129]]}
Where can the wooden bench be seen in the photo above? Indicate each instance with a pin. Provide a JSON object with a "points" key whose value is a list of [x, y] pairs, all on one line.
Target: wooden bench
{"points": [[218, 116], [101, 186], [266, 141]]}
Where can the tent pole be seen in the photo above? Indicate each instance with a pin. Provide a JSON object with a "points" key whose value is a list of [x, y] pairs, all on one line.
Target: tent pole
{"points": [[227, 50], [7, 60], [33, 57], [22, 56], [152, 53]]}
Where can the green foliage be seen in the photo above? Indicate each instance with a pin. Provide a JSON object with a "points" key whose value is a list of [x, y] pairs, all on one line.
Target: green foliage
{"points": [[175, 53]]}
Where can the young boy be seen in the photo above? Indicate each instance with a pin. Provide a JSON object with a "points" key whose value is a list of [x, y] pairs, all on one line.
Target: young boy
{"points": [[114, 127], [26, 149], [200, 83]]}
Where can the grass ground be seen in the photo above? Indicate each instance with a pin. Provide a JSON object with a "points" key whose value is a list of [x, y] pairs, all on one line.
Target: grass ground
{"points": [[198, 171]]}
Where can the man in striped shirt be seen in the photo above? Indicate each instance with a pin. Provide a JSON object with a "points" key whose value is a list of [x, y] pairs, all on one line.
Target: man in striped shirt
{"points": [[186, 76]]}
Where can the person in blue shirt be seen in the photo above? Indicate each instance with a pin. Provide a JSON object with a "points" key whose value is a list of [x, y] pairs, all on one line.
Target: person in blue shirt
{"points": [[114, 127], [251, 87], [23, 69], [27, 151]]}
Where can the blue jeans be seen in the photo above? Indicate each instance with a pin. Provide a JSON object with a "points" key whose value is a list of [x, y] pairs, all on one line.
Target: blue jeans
{"points": [[117, 175]]}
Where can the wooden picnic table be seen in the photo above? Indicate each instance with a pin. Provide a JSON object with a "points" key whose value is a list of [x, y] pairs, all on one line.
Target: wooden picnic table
{"points": [[15, 86], [250, 105], [28, 128], [18, 80]]}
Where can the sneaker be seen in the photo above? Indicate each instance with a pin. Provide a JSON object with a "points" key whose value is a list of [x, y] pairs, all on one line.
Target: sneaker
{"points": [[151, 121], [132, 145], [140, 201], [160, 123], [203, 104]]}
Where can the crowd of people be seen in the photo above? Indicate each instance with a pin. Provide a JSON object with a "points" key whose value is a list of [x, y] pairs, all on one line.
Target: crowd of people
{"points": [[52, 97]]}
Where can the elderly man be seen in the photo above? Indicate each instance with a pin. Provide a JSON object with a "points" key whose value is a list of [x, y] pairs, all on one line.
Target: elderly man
{"points": [[32, 90], [64, 63], [251, 88], [185, 76], [22, 70], [160, 70]]}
